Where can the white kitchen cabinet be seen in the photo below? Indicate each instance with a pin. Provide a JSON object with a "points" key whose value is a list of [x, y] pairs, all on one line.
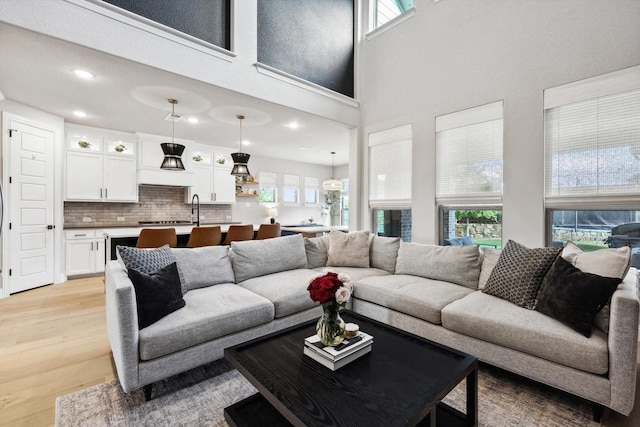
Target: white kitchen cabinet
{"points": [[100, 166], [224, 185], [213, 180], [84, 252]]}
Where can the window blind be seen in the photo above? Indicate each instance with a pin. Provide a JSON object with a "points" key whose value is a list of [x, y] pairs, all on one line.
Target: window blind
{"points": [[291, 188], [390, 167], [311, 190], [592, 146], [469, 156]]}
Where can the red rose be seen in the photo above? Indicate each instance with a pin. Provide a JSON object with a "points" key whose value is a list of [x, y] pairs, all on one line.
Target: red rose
{"points": [[323, 289]]}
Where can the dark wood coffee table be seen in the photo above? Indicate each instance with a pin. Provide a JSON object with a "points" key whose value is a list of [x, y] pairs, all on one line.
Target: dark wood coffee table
{"points": [[401, 382]]}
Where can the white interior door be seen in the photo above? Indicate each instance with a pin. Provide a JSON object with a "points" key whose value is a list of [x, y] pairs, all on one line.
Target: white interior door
{"points": [[31, 206]]}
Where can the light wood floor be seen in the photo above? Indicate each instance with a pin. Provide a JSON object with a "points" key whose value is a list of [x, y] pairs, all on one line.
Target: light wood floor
{"points": [[53, 341]]}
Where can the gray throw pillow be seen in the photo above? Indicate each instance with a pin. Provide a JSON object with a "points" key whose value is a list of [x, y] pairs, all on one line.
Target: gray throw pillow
{"points": [[455, 264], [205, 266], [384, 253], [253, 258], [317, 251], [519, 273], [349, 249], [147, 260]]}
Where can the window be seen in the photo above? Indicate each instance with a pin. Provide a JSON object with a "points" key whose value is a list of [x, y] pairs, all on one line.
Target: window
{"points": [[483, 225], [311, 191], [344, 203], [291, 189], [390, 181], [393, 223], [591, 229], [386, 10], [592, 159], [469, 171], [268, 187]]}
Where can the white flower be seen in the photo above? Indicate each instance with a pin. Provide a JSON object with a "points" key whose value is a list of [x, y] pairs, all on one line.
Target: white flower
{"points": [[344, 277], [342, 295]]}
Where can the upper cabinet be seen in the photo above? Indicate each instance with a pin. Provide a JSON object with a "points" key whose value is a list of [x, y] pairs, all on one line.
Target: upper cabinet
{"points": [[100, 165], [212, 169]]}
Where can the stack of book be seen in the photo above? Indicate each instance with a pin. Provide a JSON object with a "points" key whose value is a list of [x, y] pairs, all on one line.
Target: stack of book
{"points": [[338, 356]]}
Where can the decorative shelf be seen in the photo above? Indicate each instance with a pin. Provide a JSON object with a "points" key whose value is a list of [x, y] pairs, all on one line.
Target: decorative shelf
{"points": [[246, 195], [246, 182]]}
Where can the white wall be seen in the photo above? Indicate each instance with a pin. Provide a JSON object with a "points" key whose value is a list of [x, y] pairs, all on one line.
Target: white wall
{"points": [[249, 211], [457, 54]]}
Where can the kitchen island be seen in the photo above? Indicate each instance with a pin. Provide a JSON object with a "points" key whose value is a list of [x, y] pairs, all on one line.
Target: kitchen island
{"points": [[127, 236], [314, 230]]}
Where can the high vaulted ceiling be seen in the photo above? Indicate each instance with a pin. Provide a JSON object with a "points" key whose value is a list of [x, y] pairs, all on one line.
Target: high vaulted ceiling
{"points": [[37, 70]]}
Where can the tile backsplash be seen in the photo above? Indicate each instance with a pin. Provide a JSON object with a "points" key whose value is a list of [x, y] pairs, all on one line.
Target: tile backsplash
{"points": [[155, 203]]}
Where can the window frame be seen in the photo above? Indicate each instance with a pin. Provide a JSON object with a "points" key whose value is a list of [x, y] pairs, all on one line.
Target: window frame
{"points": [[288, 183], [268, 180]]}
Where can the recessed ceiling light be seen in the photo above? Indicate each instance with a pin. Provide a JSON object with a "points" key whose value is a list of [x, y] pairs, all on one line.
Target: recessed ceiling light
{"points": [[80, 114], [83, 74], [246, 142], [306, 147], [293, 125], [193, 120]]}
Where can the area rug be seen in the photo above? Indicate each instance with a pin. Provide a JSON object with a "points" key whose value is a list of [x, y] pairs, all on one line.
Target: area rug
{"points": [[199, 396]]}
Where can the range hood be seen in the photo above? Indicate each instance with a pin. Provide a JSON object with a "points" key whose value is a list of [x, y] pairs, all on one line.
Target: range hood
{"points": [[148, 176]]}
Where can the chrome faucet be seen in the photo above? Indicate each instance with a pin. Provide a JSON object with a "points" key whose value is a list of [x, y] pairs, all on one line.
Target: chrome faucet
{"points": [[195, 196]]}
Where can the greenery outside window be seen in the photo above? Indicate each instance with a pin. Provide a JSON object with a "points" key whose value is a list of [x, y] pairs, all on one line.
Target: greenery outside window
{"points": [[483, 225], [268, 187]]}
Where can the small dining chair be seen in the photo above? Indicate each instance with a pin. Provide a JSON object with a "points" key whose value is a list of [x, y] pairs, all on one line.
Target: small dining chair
{"points": [[268, 231], [156, 237], [205, 236], [238, 232]]}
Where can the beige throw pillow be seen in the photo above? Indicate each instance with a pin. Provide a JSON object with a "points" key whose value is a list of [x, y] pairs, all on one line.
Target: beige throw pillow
{"points": [[612, 262], [349, 249]]}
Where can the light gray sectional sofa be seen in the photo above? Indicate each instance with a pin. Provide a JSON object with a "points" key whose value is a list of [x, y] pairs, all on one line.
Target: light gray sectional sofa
{"points": [[431, 291]]}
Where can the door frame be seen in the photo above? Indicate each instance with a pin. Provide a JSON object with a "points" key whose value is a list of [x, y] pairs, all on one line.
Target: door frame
{"points": [[58, 204]]}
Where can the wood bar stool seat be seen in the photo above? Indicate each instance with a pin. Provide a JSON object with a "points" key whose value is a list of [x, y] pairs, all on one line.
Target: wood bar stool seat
{"points": [[205, 236], [156, 237], [268, 231], [239, 232]]}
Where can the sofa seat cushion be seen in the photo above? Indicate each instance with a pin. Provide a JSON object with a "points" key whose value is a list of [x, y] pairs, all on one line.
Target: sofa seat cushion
{"points": [[501, 322], [287, 290], [355, 273], [416, 296], [209, 313]]}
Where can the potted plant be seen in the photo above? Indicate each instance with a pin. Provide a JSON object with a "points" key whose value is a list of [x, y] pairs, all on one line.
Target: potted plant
{"points": [[84, 144], [197, 158], [120, 148]]}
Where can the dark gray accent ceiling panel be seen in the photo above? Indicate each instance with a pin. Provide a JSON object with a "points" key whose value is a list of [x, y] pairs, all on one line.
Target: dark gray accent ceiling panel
{"points": [[310, 39], [207, 20]]}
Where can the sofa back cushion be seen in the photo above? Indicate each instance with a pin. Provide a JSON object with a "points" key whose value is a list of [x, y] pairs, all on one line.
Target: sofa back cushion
{"points": [[349, 249], [489, 259], [455, 264], [317, 249], [384, 253], [205, 266], [253, 258]]}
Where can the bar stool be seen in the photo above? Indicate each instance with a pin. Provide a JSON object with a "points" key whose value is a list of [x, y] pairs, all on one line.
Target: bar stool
{"points": [[238, 232], [268, 231], [204, 236], [156, 237]]}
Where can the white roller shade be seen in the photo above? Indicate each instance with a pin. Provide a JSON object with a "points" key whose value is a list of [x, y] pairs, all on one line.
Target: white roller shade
{"points": [[592, 146], [469, 156], [390, 167]]}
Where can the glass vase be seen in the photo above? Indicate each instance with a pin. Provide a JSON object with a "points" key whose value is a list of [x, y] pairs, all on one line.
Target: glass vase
{"points": [[330, 327]]}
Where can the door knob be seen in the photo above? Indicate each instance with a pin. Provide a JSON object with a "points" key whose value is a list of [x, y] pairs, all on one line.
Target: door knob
{"points": [[50, 227]]}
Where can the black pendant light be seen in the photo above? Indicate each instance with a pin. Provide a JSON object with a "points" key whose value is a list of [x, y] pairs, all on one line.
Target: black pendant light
{"points": [[172, 151], [240, 159]]}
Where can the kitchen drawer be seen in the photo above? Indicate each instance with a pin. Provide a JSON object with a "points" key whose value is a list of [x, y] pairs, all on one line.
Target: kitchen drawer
{"points": [[83, 234]]}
